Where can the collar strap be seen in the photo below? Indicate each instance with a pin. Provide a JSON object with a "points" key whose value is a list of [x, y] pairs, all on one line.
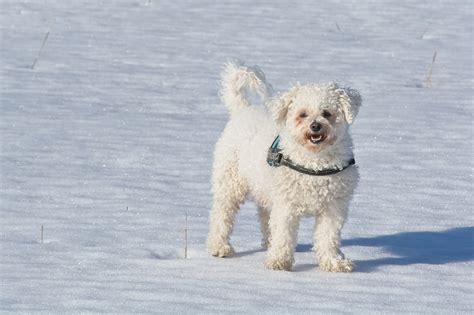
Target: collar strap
{"points": [[276, 159]]}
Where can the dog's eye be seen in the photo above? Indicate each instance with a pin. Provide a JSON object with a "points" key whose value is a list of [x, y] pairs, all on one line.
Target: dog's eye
{"points": [[327, 114], [303, 115]]}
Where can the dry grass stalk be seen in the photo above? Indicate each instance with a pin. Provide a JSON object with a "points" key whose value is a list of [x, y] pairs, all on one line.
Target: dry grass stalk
{"points": [[186, 236], [428, 78], [41, 49]]}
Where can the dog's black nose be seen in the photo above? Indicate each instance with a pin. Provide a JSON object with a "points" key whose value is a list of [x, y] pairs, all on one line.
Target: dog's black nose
{"points": [[315, 127]]}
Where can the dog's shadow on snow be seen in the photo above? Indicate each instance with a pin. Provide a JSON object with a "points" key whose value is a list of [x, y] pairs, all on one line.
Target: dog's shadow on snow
{"points": [[299, 248], [402, 249], [410, 248], [248, 252]]}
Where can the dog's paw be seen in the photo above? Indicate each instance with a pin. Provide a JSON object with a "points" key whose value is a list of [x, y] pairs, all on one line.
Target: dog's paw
{"points": [[336, 264], [221, 250], [275, 264]]}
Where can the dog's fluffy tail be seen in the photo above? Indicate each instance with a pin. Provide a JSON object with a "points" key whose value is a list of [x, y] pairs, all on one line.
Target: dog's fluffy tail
{"points": [[239, 82]]}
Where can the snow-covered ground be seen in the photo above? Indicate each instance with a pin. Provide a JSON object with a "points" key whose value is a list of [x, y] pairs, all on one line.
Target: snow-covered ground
{"points": [[108, 142]]}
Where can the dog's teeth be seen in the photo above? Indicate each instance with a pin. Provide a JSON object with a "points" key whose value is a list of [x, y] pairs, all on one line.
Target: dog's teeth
{"points": [[316, 139]]}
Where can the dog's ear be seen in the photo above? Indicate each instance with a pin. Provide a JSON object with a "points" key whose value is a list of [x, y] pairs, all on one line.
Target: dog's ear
{"points": [[350, 101], [280, 104]]}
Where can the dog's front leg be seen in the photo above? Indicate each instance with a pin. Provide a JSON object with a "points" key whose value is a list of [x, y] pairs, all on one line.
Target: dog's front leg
{"points": [[221, 225], [283, 238], [327, 238]]}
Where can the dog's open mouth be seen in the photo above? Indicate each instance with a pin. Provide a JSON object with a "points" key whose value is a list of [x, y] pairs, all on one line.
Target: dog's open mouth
{"points": [[316, 138]]}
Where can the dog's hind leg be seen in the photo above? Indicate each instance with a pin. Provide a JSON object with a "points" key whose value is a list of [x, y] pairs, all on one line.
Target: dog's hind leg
{"points": [[229, 190], [264, 217]]}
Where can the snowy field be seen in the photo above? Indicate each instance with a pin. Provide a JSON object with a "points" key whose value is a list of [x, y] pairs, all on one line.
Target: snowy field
{"points": [[108, 142]]}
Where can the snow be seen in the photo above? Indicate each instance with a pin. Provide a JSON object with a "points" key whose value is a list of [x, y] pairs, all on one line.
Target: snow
{"points": [[108, 143]]}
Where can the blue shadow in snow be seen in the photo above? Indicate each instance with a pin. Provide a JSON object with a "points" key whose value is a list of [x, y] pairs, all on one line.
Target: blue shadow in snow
{"points": [[409, 248], [434, 248], [301, 248]]}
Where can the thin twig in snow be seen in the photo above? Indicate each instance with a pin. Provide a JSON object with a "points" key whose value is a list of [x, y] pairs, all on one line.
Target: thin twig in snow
{"points": [[41, 49], [428, 79], [186, 236]]}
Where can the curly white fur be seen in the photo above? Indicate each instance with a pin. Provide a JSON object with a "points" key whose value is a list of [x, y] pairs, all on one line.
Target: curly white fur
{"points": [[238, 80], [283, 195]]}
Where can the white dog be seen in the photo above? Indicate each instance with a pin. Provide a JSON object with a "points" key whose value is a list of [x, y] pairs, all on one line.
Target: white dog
{"points": [[294, 158]]}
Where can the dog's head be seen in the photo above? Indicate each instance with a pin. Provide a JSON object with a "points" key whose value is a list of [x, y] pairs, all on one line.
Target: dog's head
{"points": [[316, 116]]}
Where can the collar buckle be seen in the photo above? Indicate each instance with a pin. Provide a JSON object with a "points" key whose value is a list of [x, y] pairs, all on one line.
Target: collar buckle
{"points": [[274, 158]]}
